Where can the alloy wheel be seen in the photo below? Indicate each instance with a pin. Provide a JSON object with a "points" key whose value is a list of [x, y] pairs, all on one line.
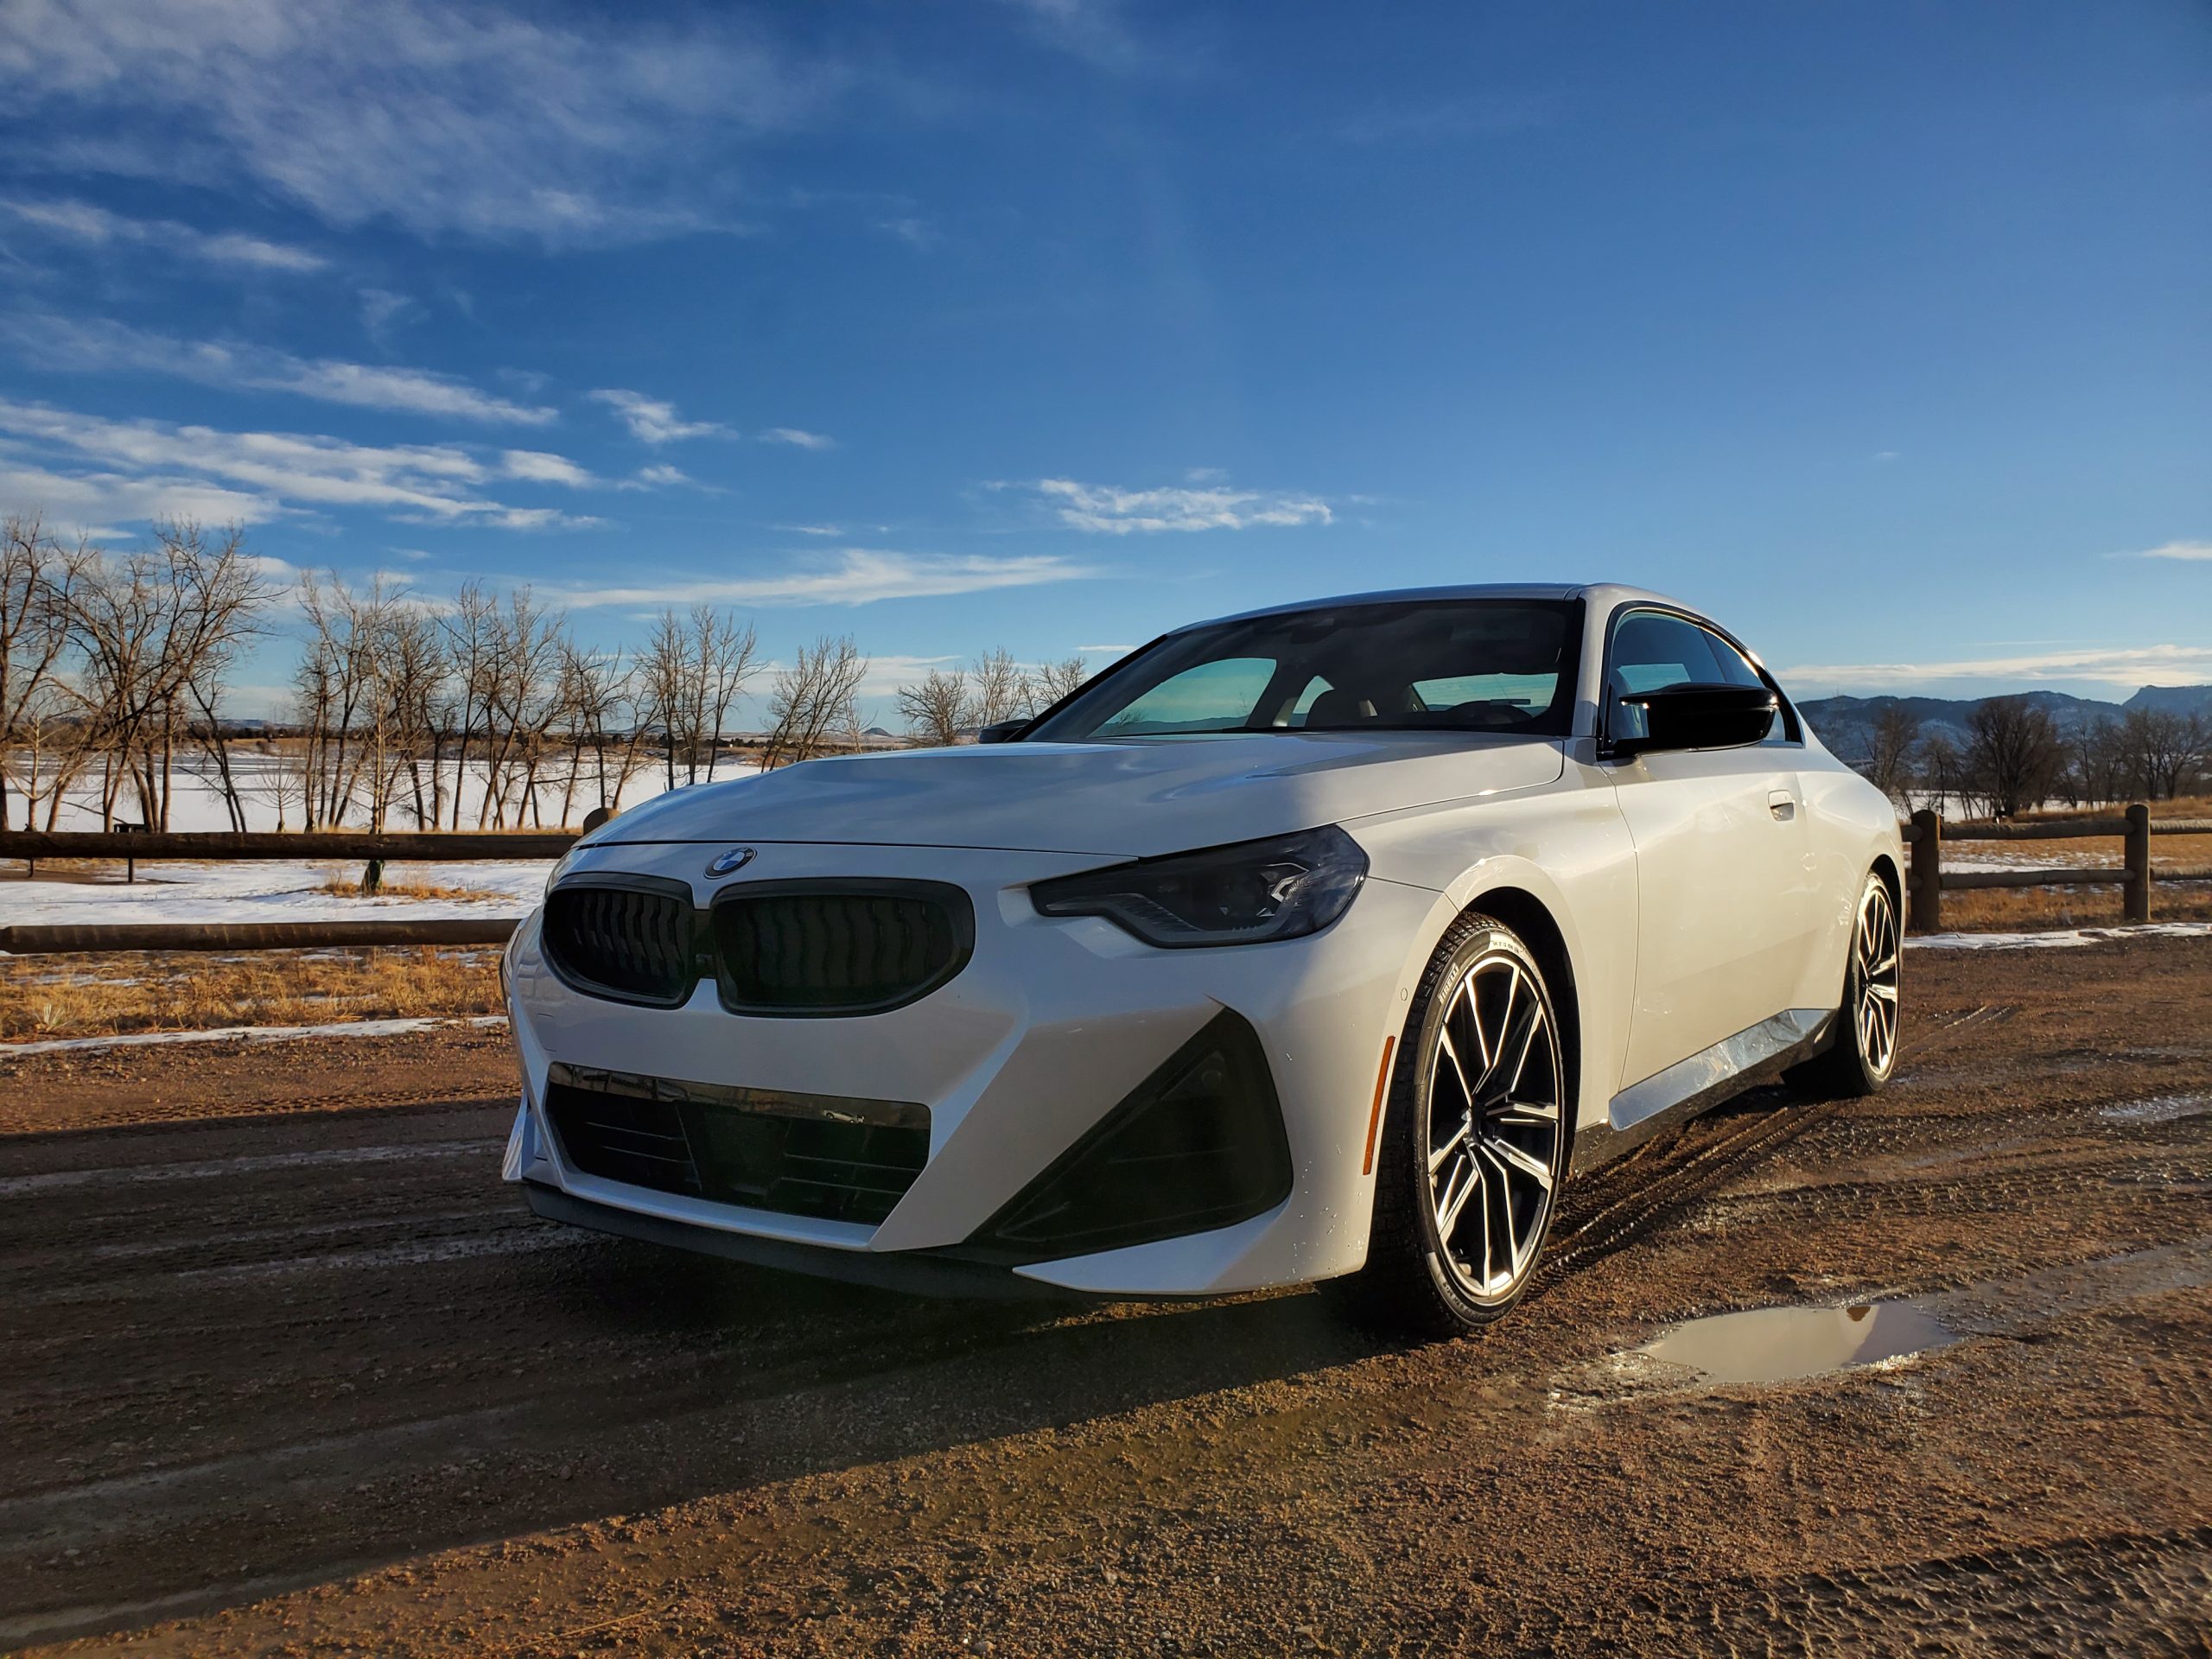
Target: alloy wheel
{"points": [[1874, 952], [1495, 1093]]}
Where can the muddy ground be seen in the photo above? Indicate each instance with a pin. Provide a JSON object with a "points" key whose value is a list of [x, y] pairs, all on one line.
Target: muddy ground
{"points": [[287, 1371]]}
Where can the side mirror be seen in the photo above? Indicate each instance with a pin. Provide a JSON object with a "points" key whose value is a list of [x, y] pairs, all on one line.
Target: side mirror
{"points": [[1700, 717], [1001, 731]]}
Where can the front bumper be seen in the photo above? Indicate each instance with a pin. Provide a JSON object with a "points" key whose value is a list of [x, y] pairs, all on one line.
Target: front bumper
{"points": [[1050, 1026]]}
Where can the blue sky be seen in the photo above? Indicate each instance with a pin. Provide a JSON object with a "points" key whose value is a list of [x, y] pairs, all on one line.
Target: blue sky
{"points": [[1884, 330]]}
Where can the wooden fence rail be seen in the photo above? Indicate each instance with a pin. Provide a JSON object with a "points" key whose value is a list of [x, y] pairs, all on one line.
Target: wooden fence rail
{"points": [[425, 846], [1928, 880], [31, 939]]}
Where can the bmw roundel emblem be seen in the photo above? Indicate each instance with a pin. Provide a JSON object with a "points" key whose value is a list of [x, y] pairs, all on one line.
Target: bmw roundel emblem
{"points": [[735, 859]]}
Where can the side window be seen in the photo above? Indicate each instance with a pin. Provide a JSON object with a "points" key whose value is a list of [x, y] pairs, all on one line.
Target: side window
{"points": [[1652, 650]]}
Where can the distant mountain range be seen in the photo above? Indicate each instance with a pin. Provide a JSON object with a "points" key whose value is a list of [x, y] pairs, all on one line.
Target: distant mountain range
{"points": [[1845, 723]]}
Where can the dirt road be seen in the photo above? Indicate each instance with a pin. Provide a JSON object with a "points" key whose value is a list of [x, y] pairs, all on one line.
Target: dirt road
{"points": [[288, 1370]]}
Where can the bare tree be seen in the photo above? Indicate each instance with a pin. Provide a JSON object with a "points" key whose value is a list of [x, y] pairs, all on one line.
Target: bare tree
{"points": [[1050, 681], [936, 709], [813, 699], [1889, 752], [999, 689], [142, 627], [2014, 753], [2161, 750], [37, 579]]}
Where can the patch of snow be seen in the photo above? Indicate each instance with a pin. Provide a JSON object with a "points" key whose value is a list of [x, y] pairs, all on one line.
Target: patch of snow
{"points": [[2059, 939], [253, 890], [242, 1034]]}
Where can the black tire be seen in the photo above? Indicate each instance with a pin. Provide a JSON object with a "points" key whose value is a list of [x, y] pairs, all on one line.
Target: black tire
{"points": [[1862, 1058], [1419, 1280]]}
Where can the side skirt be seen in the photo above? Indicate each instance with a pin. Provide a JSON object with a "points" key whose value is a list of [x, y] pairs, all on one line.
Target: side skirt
{"points": [[1689, 1087]]}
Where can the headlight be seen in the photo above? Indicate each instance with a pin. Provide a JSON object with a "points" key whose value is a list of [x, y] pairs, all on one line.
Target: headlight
{"points": [[1245, 893]]}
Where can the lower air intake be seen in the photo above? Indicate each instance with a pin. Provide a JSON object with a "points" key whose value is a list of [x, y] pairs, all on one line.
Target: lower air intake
{"points": [[829, 1157], [1199, 1144]]}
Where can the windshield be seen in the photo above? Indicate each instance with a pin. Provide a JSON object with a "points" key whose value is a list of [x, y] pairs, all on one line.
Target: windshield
{"points": [[1469, 664]]}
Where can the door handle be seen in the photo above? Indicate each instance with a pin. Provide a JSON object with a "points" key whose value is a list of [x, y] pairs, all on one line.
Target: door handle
{"points": [[1782, 804]]}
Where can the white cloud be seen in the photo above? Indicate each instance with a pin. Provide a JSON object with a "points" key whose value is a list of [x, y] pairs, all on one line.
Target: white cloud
{"points": [[537, 467], [651, 420], [917, 233], [2189, 550], [798, 439], [853, 575], [2128, 667], [59, 343], [440, 118], [380, 308], [92, 502], [1108, 510], [82, 221], [1118, 650], [661, 476], [199, 472], [813, 530]]}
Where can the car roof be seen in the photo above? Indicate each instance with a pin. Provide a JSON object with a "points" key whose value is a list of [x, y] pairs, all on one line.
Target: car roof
{"points": [[1602, 595]]}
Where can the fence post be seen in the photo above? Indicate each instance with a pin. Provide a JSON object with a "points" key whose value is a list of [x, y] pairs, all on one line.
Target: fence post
{"points": [[1927, 881], [2138, 890]]}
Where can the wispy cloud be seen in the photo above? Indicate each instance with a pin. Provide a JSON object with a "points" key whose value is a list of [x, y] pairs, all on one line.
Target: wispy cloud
{"points": [[558, 127], [653, 420], [1093, 30], [796, 438], [661, 476], [82, 221], [2126, 666], [537, 467], [916, 232], [2190, 550], [58, 343], [853, 575], [203, 473], [1108, 510]]}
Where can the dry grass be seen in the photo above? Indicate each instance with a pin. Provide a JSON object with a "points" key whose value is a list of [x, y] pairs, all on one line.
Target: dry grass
{"points": [[115, 992], [345, 887], [2021, 910]]}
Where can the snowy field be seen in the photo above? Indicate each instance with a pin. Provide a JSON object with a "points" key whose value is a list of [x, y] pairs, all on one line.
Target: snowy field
{"points": [[288, 890], [270, 891]]}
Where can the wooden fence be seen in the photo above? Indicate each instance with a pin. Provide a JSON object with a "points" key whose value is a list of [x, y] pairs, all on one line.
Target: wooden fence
{"points": [[1928, 880]]}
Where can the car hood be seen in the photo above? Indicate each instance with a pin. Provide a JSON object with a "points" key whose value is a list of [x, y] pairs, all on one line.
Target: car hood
{"points": [[1121, 799]]}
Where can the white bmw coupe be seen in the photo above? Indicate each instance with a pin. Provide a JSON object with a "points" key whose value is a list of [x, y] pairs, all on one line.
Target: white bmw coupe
{"points": [[1323, 943]]}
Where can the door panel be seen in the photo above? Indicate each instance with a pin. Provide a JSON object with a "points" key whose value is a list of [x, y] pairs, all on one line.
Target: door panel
{"points": [[1722, 898], [1725, 875]]}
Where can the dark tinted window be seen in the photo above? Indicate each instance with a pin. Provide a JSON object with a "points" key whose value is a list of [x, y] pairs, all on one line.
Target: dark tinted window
{"points": [[1478, 665], [1652, 649]]}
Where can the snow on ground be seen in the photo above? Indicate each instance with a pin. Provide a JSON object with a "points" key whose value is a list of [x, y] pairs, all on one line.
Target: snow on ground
{"points": [[2059, 939], [254, 890], [241, 1034]]}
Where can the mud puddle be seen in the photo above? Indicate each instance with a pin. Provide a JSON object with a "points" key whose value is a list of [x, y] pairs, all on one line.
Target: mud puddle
{"points": [[1785, 1344], [2163, 1110]]}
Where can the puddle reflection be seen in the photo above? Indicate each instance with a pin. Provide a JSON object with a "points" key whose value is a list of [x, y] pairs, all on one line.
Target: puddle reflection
{"points": [[2164, 1109], [1777, 1344]]}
